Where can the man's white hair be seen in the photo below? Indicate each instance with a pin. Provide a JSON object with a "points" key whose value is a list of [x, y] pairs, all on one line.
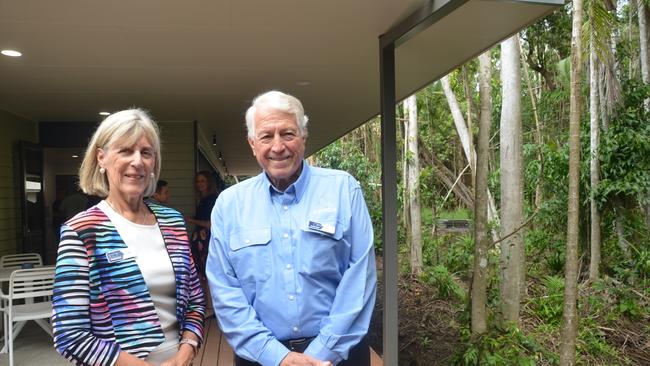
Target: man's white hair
{"points": [[277, 101]]}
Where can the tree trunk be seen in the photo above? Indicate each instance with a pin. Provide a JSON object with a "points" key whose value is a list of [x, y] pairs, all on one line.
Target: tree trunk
{"points": [[413, 189], [512, 266], [569, 313], [631, 62], [463, 135], [643, 45], [594, 166], [644, 35], [468, 97], [481, 236], [604, 114], [406, 211], [448, 178], [538, 132]]}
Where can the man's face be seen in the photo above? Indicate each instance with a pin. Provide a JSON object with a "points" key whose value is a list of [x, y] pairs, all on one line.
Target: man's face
{"points": [[162, 195], [278, 146]]}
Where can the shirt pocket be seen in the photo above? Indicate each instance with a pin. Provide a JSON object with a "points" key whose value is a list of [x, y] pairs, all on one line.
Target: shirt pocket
{"points": [[324, 224], [250, 254], [323, 249]]}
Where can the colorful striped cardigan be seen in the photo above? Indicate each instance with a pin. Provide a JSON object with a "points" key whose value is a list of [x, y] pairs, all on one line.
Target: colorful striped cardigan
{"points": [[101, 308]]}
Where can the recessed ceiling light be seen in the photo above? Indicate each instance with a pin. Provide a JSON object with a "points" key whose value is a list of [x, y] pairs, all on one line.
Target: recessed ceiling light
{"points": [[11, 53], [105, 113], [75, 156], [303, 83]]}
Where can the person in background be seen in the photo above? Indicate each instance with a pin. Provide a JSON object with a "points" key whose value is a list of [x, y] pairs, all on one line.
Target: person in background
{"points": [[126, 290], [58, 216], [291, 266], [74, 203], [206, 187], [161, 195]]}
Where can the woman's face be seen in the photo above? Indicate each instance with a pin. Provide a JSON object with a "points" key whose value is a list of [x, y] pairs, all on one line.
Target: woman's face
{"points": [[128, 168], [201, 184]]}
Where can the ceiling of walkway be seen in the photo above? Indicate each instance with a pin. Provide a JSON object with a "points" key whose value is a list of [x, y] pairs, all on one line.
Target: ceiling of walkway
{"points": [[205, 60]]}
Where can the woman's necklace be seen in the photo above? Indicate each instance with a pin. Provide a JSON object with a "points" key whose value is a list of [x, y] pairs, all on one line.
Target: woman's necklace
{"points": [[139, 218]]}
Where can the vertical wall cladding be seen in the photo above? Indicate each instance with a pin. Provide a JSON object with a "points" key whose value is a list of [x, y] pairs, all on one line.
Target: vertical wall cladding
{"points": [[12, 130], [178, 149]]}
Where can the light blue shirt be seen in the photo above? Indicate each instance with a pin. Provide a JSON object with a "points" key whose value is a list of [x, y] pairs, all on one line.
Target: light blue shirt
{"points": [[293, 264]]}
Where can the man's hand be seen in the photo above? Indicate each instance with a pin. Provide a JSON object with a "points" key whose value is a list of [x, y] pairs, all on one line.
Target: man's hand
{"points": [[299, 359]]}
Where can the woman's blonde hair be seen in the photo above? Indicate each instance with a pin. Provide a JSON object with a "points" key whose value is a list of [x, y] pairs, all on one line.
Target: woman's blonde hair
{"points": [[125, 127]]}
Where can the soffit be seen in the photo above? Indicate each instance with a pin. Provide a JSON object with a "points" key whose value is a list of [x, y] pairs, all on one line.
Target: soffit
{"points": [[205, 60]]}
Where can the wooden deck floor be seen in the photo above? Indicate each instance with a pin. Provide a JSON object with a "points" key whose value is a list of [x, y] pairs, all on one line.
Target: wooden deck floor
{"points": [[33, 347], [215, 350]]}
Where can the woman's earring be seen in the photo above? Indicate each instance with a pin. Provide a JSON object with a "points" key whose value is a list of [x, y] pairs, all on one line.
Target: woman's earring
{"points": [[152, 174], [102, 170]]}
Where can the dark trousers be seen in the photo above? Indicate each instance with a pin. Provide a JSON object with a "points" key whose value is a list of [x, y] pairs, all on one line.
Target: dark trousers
{"points": [[359, 355]]}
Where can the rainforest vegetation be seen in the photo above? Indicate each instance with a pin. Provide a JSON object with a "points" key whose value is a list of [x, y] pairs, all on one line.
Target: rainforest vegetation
{"points": [[524, 193]]}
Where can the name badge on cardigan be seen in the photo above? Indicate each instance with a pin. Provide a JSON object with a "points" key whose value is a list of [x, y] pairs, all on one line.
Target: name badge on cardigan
{"points": [[323, 228], [119, 255]]}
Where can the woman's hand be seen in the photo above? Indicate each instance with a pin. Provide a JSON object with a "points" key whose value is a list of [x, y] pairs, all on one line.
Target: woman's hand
{"points": [[127, 359], [183, 357]]}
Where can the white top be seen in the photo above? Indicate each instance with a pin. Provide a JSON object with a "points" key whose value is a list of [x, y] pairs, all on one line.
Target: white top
{"points": [[146, 242]]}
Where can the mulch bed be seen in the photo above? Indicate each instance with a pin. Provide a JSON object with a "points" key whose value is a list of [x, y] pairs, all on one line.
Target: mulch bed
{"points": [[428, 330]]}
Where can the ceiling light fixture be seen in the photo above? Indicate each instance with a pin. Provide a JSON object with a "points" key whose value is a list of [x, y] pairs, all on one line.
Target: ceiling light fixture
{"points": [[104, 113], [214, 140], [303, 83], [75, 156], [11, 53]]}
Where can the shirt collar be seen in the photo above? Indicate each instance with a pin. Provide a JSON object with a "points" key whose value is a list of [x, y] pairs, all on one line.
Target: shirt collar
{"points": [[297, 187]]}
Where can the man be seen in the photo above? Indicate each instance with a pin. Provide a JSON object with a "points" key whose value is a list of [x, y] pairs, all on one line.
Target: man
{"points": [[291, 265], [161, 196], [73, 203]]}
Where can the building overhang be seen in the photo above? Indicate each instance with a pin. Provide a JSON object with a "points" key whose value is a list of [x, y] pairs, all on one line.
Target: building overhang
{"points": [[204, 61]]}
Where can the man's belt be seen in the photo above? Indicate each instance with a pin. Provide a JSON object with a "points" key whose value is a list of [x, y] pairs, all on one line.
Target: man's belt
{"points": [[298, 344]]}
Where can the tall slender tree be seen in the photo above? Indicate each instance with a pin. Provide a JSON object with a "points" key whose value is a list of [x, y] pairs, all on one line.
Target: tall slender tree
{"points": [[511, 163], [481, 236], [569, 314], [644, 34], [538, 130], [463, 134], [413, 189], [594, 166], [644, 57]]}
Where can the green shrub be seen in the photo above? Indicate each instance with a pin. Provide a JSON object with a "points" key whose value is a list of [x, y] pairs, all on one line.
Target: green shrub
{"points": [[439, 277], [501, 346], [549, 304]]}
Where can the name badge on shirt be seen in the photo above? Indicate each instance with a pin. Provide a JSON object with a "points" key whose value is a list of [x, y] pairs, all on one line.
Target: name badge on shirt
{"points": [[119, 255], [324, 228]]}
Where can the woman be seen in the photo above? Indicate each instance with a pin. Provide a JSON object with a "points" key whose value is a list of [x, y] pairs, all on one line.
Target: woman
{"points": [[206, 187], [126, 290]]}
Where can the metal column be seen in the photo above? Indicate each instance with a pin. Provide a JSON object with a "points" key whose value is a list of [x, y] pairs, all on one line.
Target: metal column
{"points": [[420, 20], [389, 201]]}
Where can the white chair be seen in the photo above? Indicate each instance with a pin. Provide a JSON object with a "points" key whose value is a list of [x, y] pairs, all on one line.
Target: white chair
{"points": [[9, 263], [17, 260], [33, 288]]}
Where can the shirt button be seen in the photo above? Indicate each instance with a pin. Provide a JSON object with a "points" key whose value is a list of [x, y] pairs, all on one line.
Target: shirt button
{"points": [[247, 241], [295, 329], [291, 297], [286, 235], [285, 207], [289, 266]]}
